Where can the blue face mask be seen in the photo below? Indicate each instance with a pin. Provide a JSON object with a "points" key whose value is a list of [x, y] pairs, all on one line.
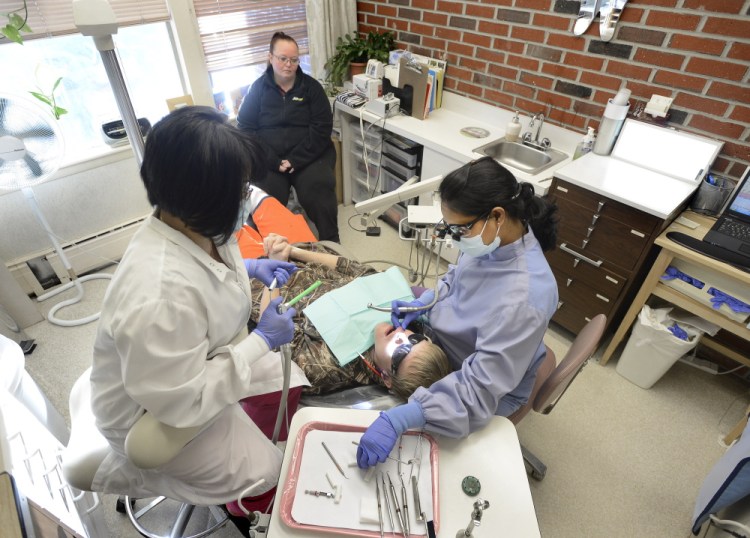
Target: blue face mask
{"points": [[475, 247]]}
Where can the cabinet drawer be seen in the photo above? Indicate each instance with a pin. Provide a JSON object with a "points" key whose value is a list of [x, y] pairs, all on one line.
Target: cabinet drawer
{"points": [[612, 244], [598, 278], [603, 206], [576, 293], [572, 318]]}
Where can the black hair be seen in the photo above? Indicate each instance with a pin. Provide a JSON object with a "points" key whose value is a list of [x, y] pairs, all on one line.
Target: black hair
{"points": [[477, 187], [280, 36], [198, 167]]}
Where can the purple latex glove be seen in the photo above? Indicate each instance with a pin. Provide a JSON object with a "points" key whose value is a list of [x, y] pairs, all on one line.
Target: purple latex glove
{"points": [[377, 442], [276, 329], [380, 438], [397, 315], [266, 270]]}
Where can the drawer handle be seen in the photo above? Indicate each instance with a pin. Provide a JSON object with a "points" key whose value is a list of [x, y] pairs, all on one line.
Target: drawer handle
{"points": [[599, 207], [602, 298], [569, 282], [636, 232], [612, 279], [559, 304], [590, 231], [562, 189], [584, 243], [594, 219], [564, 247]]}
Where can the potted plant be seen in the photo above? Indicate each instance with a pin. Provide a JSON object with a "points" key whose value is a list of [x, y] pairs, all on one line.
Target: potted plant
{"points": [[354, 48]]}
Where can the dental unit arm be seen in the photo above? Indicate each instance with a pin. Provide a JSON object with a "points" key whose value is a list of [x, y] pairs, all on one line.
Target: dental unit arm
{"points": [[372, 208]]}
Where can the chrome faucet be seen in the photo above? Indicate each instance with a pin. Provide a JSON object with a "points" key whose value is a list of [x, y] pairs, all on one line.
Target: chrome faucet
{"points": [[533, 139]]}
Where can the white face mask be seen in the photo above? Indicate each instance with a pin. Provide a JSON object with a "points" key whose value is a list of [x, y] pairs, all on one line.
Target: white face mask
{"points": [[243, 215], [475, 247]]}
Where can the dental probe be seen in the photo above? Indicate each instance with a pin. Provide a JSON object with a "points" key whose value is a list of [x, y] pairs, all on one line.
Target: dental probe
{"points": [[387, 503], [330, 455], [380, 507], [394, 498]]}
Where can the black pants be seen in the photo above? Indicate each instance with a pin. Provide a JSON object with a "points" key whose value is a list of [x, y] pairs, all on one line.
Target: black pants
{"points": [[316, 191]]}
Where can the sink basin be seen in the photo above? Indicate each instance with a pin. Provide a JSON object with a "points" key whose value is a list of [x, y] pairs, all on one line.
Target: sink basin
{"points": [[522, 157]]}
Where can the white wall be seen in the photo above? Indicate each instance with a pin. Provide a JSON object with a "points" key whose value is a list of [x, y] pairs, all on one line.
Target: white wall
{"points": [[77, 203]]}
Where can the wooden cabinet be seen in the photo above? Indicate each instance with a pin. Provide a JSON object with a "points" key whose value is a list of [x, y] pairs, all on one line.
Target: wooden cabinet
{"points": [[602, 246]]}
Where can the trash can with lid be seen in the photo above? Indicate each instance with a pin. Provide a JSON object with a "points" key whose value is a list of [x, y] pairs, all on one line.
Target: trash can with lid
{"points": [[655, 344]]}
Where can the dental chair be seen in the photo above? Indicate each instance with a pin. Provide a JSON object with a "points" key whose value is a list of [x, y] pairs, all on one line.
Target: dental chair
{"points": [[87, 449], [552, 381]]}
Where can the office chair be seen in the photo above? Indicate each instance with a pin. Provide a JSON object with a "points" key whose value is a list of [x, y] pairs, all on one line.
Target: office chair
{"points": [[552, 382], [88, 448], [724, 497]]}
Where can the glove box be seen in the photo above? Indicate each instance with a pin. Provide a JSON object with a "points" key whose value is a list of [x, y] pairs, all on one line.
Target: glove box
{"points": [[709, 287]]}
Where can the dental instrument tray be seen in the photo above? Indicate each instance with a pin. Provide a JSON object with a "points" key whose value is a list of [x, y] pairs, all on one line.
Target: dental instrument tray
{"points": [[321, 448]]}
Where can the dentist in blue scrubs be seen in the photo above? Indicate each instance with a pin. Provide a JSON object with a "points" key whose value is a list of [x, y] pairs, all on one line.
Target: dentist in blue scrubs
{"points": [[493, 309]]}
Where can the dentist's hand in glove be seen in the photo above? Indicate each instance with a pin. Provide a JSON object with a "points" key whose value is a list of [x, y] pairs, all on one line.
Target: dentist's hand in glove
{"points": [[276, 329], [379, 439], [403, 319], [266, 270]]}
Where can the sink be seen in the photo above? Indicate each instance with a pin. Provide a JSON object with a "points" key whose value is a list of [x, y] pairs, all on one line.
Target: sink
{"points": [[522, 157]]}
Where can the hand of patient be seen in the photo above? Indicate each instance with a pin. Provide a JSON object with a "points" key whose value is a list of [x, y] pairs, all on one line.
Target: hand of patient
{"points": [[267, 270], [277, 247], [276, 329]]}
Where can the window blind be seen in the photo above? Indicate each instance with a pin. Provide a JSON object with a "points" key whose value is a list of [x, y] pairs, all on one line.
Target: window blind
{"points": [[55, 17], [236, 33]]}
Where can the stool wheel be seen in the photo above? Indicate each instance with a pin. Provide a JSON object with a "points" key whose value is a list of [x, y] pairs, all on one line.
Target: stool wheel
{"points": [[120, 505]]}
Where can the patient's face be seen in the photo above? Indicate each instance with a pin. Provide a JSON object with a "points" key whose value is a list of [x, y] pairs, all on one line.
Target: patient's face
{"points": [[387, 339]]}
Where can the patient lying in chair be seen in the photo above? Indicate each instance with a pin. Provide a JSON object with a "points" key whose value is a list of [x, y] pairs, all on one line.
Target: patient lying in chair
{"points": [[416, 364]]}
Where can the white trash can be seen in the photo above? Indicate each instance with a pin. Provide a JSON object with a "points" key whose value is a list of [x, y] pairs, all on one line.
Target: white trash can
{"points": [[652, 349]]}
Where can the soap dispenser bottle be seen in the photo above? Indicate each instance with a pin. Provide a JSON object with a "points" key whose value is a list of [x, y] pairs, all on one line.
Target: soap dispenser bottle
{"points": [[513, 129], [586, 144]]}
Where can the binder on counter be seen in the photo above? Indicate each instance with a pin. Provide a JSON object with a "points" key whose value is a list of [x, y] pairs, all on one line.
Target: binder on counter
{"points": [[414, 76]]}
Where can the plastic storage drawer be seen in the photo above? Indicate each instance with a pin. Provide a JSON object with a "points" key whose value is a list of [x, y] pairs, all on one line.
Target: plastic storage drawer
{"points": [[403, 154], [389, 182], [373, 136], [397, 168]]}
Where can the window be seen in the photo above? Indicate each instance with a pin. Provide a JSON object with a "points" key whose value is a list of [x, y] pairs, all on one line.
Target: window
{"points": [[235, 35], [147, 61]]}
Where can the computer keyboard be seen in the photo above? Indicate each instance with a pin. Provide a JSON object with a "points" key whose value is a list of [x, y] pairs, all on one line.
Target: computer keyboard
{"points": [[733, 228], [734, 259]]}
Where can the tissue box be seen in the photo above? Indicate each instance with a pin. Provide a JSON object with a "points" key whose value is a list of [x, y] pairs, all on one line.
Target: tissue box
{"points": [[710, 279]]}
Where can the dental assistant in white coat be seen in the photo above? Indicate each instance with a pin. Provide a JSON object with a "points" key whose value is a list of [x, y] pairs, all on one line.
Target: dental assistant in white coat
{"points": [[494, 307], [172, 340]]}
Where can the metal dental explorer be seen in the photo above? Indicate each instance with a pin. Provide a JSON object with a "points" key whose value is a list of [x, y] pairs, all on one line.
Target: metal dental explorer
{"points": [[387, 503], [334, 460], [394, 498], [403, 488], [380, 507]]}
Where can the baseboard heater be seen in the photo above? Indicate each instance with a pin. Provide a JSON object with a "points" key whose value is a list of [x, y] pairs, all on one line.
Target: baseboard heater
{"points": [[85, 255]]}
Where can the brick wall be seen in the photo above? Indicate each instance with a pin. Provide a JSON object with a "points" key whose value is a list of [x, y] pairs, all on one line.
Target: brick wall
{"points": [[522, 55]]}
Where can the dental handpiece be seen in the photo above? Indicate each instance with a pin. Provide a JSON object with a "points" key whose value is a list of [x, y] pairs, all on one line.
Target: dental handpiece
{"points": [[302, 295]]}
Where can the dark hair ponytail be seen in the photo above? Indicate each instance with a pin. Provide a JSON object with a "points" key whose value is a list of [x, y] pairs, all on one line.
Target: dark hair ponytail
{"points": [[280, 36], [478, 186]]}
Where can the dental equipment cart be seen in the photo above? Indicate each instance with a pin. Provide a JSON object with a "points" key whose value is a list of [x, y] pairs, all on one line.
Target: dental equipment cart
{"points": [[493, 455]]}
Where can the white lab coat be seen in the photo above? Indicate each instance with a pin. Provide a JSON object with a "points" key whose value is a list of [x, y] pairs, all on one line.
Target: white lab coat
{"points": [[172, 340]]}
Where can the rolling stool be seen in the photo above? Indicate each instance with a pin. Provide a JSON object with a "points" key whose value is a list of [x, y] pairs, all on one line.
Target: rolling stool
{"points": [[85, 453]]}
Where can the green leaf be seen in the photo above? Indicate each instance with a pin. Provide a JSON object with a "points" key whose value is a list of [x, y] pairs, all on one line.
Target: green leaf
{"points": [[59, 111], [43, 98], [16, 20], [11, 33], [57, 83]]}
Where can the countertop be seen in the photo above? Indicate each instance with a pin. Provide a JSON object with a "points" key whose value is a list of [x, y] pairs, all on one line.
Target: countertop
{"points": [[441, 131], [652, 192]]}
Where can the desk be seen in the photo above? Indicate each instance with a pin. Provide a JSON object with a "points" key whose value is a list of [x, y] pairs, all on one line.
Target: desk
{"points": [[493, 455], [653, 286]]}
